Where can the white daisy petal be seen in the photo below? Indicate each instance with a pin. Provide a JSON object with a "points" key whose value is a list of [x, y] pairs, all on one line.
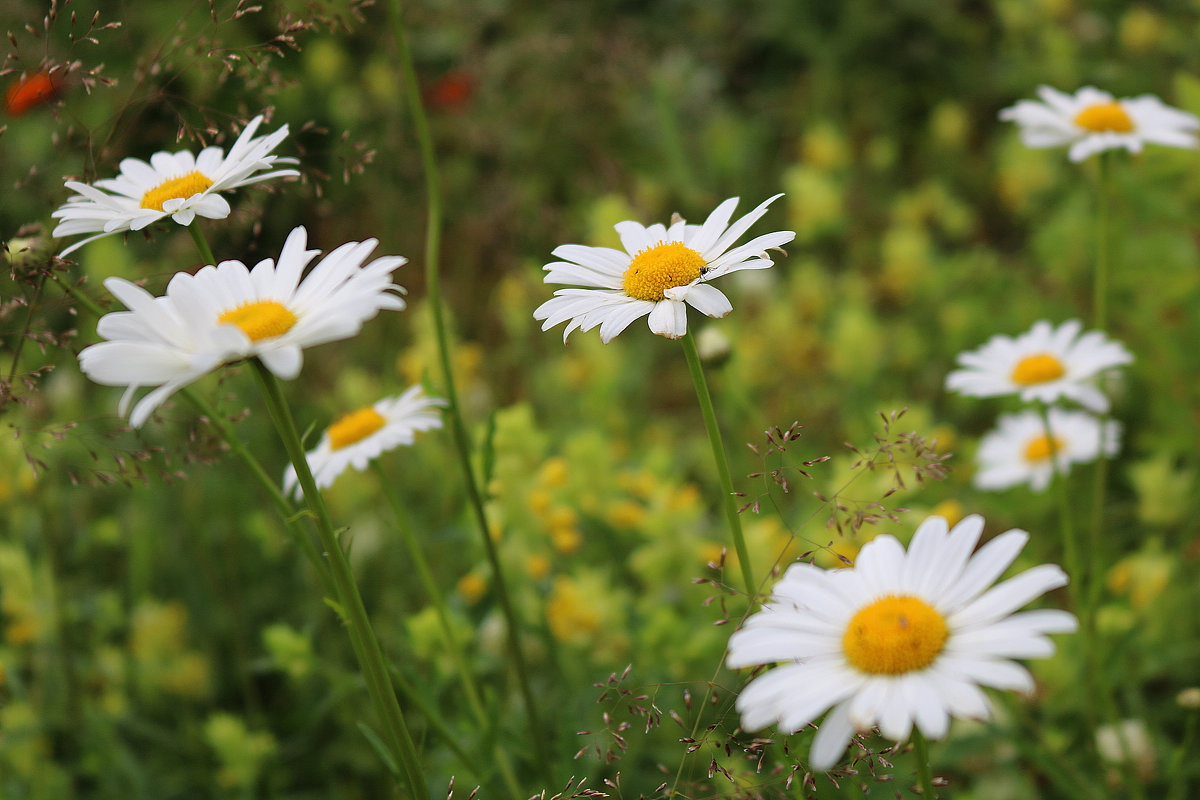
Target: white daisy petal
{"points": [[1042, 364], [222, 314], [661, 272], [360, 436], [900, 639], [176, 184], [1091, 121], [1018, 451]]}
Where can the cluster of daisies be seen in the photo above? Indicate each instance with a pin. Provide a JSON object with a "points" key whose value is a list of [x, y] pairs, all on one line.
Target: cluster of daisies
{"points": [[1043, 366], [227, 312], [903, 639]]}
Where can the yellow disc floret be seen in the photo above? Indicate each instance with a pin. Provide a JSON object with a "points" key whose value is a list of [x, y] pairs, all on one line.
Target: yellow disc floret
{"points": [[1104, 118], [354, 427], [180, 187], [260, 319], [1040, 368], [1043, 447], [659, 268], [894, 635]]}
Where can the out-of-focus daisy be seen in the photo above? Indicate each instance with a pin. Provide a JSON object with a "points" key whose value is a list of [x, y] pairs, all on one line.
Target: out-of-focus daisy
{"points": [[358, 437], [1042, 364], [1019, 450], [180, 185], [661, 272], [1091, 121], [228, 312], [896, 640]]}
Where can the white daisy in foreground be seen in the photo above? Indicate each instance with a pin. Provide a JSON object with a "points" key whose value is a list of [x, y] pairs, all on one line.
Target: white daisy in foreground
{"points": [[1042, 364], [180, 184], [1091, 121], [358, 437], [897, 639], [1019, 450], [227, 312], [661, 272]]}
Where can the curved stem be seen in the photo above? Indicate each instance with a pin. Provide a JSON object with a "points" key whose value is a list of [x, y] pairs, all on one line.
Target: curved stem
{"points": [[718, 451], [461, 440], [924, 770], [434, 594], [201, 243], [362, 636]]}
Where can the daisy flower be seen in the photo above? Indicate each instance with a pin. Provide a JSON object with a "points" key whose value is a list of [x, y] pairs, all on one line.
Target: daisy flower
{"points": [[228, 312], [356, 438], [181, 185], [1042, 364], [661, 272], [1019, 450], [901, 638], [1092, 121]]}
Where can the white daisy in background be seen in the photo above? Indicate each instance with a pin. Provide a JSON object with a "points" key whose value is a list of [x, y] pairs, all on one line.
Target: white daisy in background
{"points": [[1091, 121], [1042, 364], [661, 272], [896, 640], [180, 185], [358, 437], [1019, 450], [228, 312]]}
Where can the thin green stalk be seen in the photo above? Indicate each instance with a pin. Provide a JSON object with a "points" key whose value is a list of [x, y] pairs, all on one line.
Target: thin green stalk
{"points": [[461, 440], [1100, 279], [1175, 771], [362, 636], [78, 296], [434, 595], [1065, 515], [924, 770], [201, 243], [718, 451]]}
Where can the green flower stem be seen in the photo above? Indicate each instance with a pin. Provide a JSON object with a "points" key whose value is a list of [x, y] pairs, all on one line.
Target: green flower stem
{"points": [[78, 295], [1065, 518], [1100, 279], [718, 451], [434, 594], [461, 440], [1176, 776], [1100, 320], [924, 771], [201, 243], [351, 608]]}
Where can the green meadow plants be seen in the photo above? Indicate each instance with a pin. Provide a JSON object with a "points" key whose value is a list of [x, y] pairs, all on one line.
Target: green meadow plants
{"points": [[288, 515]]}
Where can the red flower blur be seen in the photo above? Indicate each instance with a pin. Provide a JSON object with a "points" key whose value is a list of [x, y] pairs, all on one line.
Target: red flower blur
{"points": [[451, 91], [30, 91]]}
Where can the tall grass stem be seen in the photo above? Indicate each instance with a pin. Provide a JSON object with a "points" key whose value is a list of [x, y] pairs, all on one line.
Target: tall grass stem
{"points": [[412, 94], [434, 595]]}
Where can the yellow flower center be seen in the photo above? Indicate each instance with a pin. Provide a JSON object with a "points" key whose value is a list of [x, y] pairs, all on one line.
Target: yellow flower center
{"points": [[354, 427], [1043, 447], [180, 187], [1038, 369], [1107, 117], [260, 319], [894, 635], [661, 267]]}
